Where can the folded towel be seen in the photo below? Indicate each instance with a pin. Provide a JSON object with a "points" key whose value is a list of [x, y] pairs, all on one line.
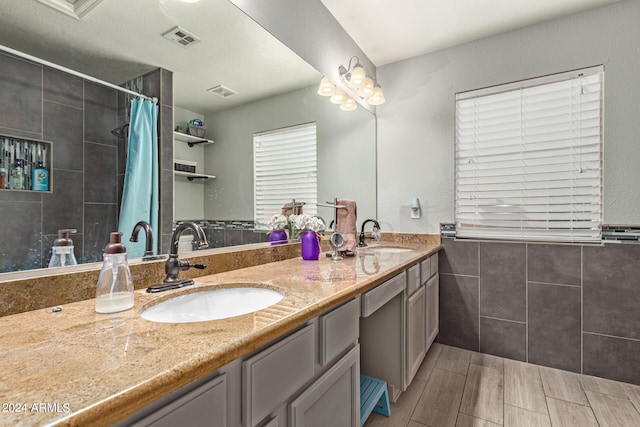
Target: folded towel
{"points": [[287, 210], [346, 224]]}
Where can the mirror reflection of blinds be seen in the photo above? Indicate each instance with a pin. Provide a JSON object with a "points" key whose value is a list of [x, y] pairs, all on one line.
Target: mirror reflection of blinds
{"points": [[529, 160], [285, 168]]}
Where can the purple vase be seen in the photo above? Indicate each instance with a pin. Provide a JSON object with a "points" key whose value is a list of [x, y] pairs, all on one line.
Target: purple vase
{"points": [[278, 237], [310, 246]]}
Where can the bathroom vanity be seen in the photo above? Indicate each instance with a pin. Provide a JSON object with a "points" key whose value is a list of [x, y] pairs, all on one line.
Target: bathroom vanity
{"points": [[295, 363]]}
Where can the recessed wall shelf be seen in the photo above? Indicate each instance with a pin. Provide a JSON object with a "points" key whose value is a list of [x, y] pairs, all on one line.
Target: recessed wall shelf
{"points": [[191, 176], [190, 139]]}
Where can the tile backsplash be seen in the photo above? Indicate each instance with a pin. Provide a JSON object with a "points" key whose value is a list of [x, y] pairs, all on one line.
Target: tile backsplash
{"points": [[566, 306]]}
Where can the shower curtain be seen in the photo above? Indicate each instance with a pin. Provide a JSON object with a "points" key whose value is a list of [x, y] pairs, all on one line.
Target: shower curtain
{"points": [[140, 192]]}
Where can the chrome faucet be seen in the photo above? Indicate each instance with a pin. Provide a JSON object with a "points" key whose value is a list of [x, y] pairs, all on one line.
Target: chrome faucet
{"points": [[376, 230], [174, 266], [148, 246]]}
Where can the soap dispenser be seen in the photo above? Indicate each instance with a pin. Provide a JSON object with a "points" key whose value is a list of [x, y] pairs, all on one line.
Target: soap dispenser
{"points": [[62, 249], [115, 284]]}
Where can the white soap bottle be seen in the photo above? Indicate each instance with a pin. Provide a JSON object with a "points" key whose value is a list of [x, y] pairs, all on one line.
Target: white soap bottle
{"points": [[115, 284]]}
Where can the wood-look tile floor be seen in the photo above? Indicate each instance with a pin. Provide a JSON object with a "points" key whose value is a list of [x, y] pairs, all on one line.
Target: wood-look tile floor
{"points": [[461, 388]]}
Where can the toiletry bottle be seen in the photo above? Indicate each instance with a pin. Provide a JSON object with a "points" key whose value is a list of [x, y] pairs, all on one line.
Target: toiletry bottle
{"points": [[16, 179], [40, 178], [3, 176], [62, 250], [115, 284]]}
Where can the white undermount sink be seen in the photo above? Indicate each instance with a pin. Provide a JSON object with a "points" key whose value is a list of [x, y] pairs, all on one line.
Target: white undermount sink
{"points": [[390, 250], [212, 305]]}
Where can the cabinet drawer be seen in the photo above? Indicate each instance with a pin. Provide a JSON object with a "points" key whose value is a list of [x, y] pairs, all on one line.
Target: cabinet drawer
{"points": [[276, 373], [339, 329], [434, 264], [376, 298], [425, 267], [413, 279]]}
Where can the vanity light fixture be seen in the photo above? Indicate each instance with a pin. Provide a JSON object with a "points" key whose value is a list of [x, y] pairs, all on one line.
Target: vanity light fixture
{"points": [[362, 85]]}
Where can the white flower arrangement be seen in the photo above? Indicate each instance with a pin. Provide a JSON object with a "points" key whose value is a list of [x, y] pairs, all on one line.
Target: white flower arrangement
{"points": [[278, 222], [306, 222]]}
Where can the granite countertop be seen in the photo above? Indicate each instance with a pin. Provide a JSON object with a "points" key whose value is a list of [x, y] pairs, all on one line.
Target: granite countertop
{"points": [[78, 367]]}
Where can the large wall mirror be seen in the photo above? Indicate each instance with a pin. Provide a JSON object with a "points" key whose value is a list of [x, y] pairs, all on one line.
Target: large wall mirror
{"points": [[120, 42]]}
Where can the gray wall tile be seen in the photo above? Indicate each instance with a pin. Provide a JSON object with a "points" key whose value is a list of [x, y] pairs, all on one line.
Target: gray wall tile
{"points": [[99, 222], [47, 243], [165, 148], [555, 326], [166, 201], [151, 84], [459, 320], [250, 236], [503, 338], [62, 125], [62, 88], [63, 207], [21, 89], [233, 237], [554, 263], [22, 250], [99, 113], [215, 237], [100, 182], [613, 358], [502, 281], [459, 257], [20, 133], [166, 79], [611, 291]]}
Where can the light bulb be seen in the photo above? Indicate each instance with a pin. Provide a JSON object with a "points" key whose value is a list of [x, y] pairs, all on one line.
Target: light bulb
{"points": [[348, 105], [377, 98], [326, 87], [338, 96], [366, 90], [357, 76]]}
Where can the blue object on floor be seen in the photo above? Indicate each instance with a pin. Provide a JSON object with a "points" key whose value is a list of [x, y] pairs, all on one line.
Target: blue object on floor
{"points": [[373, 398]]}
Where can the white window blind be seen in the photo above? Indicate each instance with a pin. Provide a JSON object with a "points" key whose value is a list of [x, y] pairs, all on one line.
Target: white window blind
{"points": [[285, 168], [529, 159]]}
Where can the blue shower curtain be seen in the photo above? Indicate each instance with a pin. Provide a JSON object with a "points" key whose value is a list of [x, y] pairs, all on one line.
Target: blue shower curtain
{"points": [[140, 192]]}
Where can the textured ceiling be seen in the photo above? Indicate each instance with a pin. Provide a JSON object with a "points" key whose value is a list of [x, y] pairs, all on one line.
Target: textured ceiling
{"points": [[389, 31], [121, 39]]}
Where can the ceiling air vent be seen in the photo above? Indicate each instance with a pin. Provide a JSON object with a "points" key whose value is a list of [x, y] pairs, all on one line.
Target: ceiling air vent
{"points": [[74, 8], [222, 91], [181, 36]]}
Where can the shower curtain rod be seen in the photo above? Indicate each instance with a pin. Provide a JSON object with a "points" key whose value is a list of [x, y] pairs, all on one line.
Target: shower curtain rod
{"points": [[75, 73]]}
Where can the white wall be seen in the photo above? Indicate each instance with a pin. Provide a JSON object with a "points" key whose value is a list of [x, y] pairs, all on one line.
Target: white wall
{"points": [[188, 196], [346, 152], [416, 125]]}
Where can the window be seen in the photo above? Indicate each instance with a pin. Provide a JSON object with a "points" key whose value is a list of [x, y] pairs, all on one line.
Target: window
{"points": [[529, 159], [284, 168]]}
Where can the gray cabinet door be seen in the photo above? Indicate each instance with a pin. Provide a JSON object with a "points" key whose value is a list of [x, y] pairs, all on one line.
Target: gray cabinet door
{"points": [[433, 302], [203, 406], [416, 333], [275, 374], [333, 399]]}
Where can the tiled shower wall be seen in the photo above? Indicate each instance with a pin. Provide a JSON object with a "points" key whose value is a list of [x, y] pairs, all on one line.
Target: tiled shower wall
{"points": [[573, 307], [77, 116]]}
